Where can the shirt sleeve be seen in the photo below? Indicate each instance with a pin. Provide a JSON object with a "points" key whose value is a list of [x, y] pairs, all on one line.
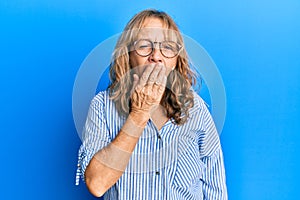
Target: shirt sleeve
{"points": [[214, 180], [95, 135]]}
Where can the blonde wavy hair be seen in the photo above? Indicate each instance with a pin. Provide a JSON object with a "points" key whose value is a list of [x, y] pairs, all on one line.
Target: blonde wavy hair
{"points": [[178, 97]]}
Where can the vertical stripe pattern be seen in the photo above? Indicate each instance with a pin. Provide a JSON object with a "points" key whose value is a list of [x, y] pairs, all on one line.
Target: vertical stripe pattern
{"points": [[177, 162]]}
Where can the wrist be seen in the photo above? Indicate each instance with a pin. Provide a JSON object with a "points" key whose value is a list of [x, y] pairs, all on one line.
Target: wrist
{"points": [[138, 117]]}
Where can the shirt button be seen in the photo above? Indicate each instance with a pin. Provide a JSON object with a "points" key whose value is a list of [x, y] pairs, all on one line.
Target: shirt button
{"points": [[157, 173], [159, 137]]}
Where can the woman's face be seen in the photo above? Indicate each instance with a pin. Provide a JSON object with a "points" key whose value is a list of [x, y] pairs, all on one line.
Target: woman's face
{"points": [[154, 31]]}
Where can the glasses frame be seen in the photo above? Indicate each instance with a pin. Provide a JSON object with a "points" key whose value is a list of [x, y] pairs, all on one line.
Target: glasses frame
{"points": [[153, 47]]}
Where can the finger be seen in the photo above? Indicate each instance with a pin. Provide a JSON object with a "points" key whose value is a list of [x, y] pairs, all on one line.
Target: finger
{"points": [[161, 78], [135, 82], [145, 76], [162, 85], [158, 78], [153, 76]]}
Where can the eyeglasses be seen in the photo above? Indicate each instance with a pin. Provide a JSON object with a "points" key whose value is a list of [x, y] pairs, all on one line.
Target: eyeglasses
{"points": [[145, 47]]}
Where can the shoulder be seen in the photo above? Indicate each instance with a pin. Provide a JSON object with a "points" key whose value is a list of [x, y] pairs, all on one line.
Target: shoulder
{"points": [[101, 96], [105, 105], [197, 115], [100, 102], [200, 117], [100, 99], [199, 105]]}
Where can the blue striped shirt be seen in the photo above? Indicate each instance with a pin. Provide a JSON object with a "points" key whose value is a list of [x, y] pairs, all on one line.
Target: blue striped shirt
{"points": [[176, 162]]}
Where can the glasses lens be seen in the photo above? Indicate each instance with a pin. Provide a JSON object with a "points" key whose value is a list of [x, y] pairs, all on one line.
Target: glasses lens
{"points": [[169, 49], [143, 47]]}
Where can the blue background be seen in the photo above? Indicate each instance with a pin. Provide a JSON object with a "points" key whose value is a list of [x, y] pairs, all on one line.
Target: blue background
{"points": [[255, 45]]}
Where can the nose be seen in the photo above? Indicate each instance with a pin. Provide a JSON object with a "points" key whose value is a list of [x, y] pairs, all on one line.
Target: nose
{"points": [[155, 56]]}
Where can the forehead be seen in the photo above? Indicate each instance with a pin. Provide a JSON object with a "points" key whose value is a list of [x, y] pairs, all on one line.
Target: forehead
{"points": [[152, 22], [156, 30], [157, 34]]}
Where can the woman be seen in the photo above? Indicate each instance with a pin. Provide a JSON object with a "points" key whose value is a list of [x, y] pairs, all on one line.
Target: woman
{"points": [[149, 136]]}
